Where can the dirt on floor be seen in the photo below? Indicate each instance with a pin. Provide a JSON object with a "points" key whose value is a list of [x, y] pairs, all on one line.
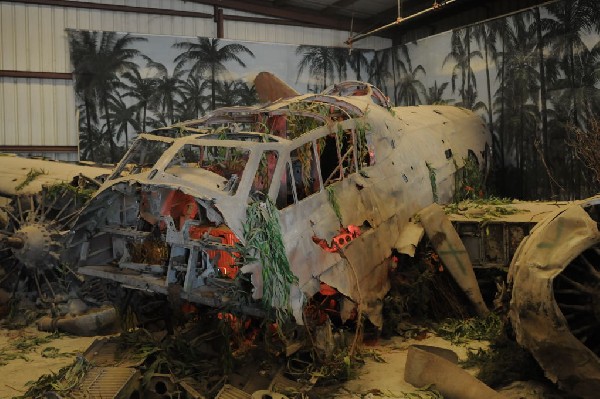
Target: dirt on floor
{"points": [[27, 354]]}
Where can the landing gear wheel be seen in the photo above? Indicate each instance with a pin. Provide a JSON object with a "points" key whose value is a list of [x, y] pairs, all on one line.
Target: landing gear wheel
{"points": [[555, 306]]}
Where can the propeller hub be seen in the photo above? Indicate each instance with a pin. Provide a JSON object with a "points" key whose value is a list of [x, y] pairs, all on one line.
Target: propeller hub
{"points": [[36, 241]]}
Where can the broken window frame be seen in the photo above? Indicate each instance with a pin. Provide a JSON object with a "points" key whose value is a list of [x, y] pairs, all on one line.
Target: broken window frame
{"points": [[141, 141]]}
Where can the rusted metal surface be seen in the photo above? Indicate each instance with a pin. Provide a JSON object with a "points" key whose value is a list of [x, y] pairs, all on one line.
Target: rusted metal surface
{"points": [[554, 309], [330, 162]]}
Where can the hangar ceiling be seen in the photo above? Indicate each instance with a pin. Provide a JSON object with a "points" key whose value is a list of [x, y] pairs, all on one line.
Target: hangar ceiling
{"points": [[362, 16]]}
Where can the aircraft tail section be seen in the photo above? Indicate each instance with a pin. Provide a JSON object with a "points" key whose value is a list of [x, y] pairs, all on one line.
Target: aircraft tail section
{"points": [[270, 88]]}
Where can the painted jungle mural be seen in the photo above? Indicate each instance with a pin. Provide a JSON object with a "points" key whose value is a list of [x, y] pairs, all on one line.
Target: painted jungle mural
{"points": [[126, 84], [534, 77]]}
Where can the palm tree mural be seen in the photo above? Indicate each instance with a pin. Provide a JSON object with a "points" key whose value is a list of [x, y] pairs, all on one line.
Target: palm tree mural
{"points": [[193, 98], [461, 54], [563, 30], [142, 91], [208, 55], [83, 45], [226, 93], [379, 69], [320, 61], [358, 61], [435, 94], [519, 95], [92, 144], [167, 88], [486, 36], [566, 23], [123, 115], [97, 60], [247, 93], [543, 94], [409, 88], [340, 56]]}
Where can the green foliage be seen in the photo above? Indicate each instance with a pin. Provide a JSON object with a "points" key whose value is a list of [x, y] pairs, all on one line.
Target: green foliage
{"points": [[469, 181], [53, 353], [432, 181], [19, 348], [262, 234], [428, 392], [61, 383], [29, 343], [409, 297], [362, 126], [194, 353], [59, 189], [329, 371], [483, 208], [504, 362], [334, 203], [480, 328], [7, 356], [298, 122], [31, 176]]}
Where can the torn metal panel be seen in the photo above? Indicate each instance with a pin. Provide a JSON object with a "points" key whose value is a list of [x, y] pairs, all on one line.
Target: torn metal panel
{"points": [[409, 238], [451, 250], [554, 306], [425, 367]]}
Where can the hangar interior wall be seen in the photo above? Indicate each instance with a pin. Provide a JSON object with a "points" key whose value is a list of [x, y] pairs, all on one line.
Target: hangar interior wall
{"points": [[33, 38]]}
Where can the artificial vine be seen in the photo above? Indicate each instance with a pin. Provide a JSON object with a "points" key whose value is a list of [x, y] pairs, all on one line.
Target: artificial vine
{"points": [[334, 203], [31, 176], [432, 181], [264, 242], [361, 141]]}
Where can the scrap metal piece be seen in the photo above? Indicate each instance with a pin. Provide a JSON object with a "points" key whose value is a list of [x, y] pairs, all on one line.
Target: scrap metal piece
{"points": [[453, 253], [424, 368], [108, 383], [555, 305], [409, 238], [97, 322], [191, 388], [107, 352], [231, 392]]}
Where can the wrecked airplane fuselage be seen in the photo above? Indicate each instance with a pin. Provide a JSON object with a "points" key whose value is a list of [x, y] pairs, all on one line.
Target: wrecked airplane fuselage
{"points": [[346, 174]]}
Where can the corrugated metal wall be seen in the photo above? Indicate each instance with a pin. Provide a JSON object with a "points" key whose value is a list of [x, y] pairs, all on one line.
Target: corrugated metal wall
{"points": [[33, 38]]}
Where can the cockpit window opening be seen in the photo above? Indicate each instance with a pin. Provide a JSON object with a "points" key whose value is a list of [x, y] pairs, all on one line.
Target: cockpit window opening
{"points": [[141, 157], [343, 152], [348, 89], [302, 176], [264, 174], [305, 171], [364, 147], [287, 191], [225, 164], [379, 98]]}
